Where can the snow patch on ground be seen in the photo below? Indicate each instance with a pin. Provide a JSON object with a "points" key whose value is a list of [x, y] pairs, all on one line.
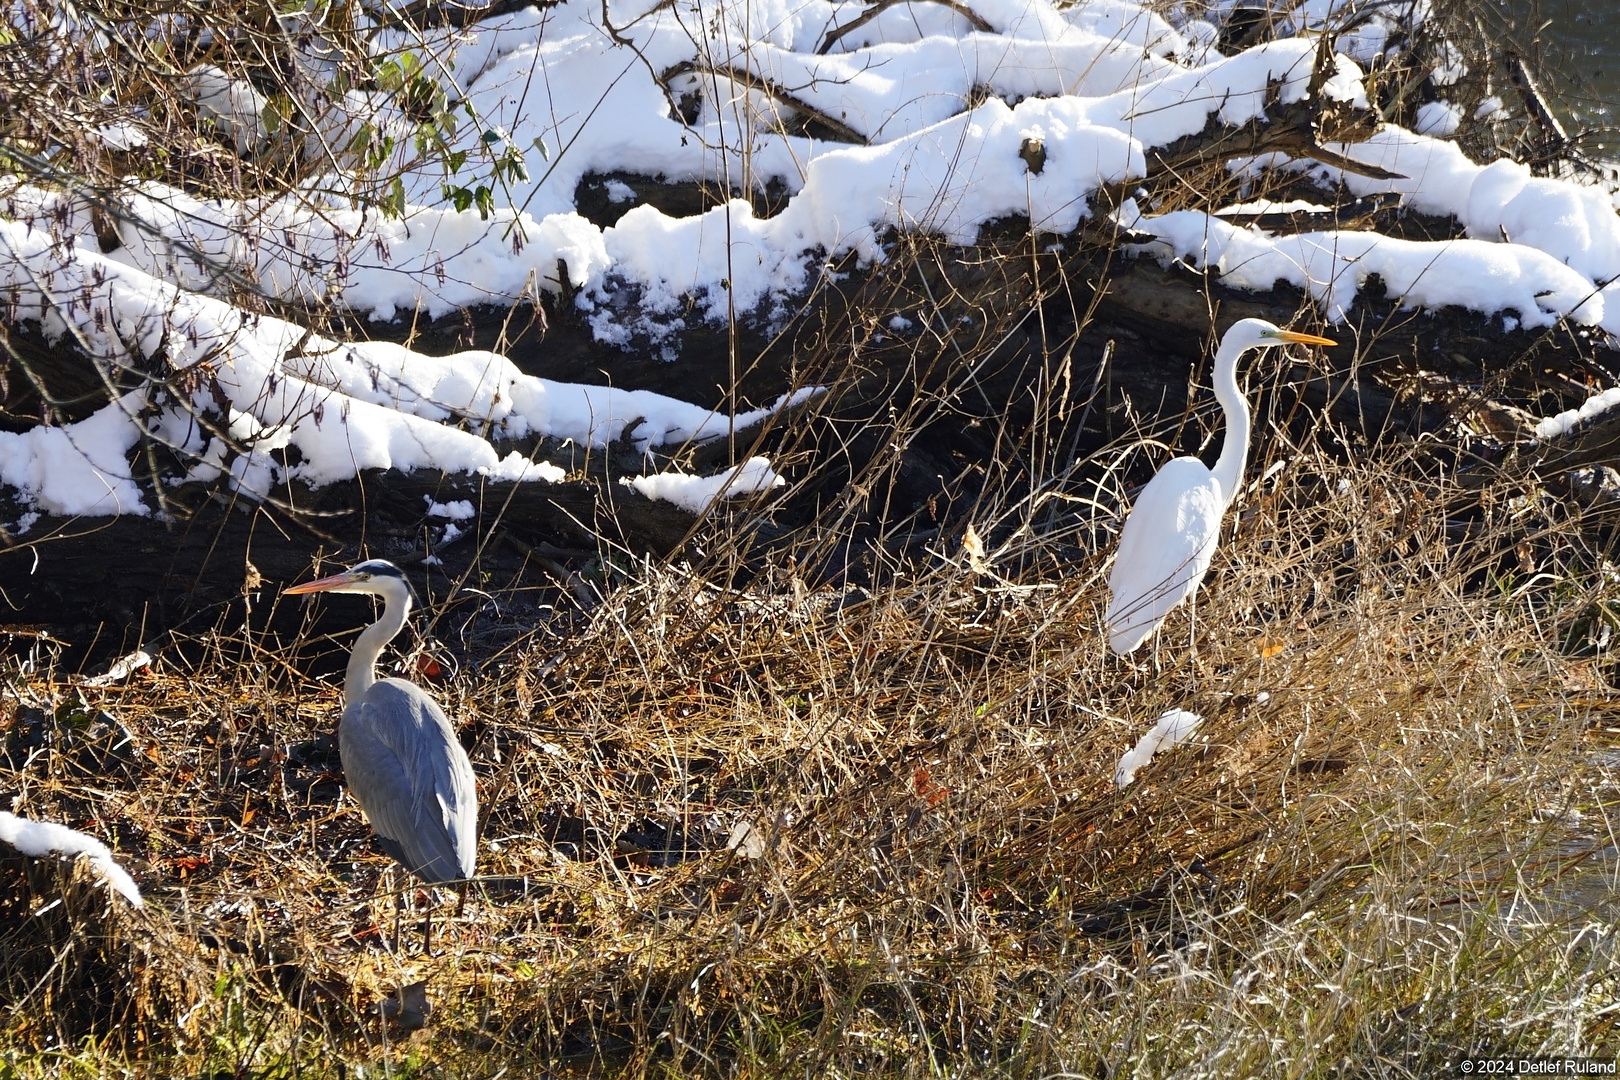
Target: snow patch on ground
{"points": [[1170, 730], [42, 839]]}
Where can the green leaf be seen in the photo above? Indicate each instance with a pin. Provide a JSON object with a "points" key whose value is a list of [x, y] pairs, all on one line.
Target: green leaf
{"points": [[393, 203], [390, 76]]}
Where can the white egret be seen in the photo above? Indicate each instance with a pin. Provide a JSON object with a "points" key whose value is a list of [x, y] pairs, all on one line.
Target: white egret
{"points": [[1172, 531], [402, 761]]}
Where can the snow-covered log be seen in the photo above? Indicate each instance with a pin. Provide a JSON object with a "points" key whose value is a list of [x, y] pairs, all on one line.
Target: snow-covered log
{"points": [[709, 218]]}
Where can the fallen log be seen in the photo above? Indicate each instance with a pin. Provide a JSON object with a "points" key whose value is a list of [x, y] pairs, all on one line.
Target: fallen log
{"points": [[939, 361]]}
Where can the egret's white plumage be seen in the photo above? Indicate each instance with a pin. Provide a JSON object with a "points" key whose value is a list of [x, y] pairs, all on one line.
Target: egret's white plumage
{"points": [[1170, 536], [402, 761]]}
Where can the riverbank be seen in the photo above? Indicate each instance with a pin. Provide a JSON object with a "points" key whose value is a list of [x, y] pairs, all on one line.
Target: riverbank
{"points": [[879, 833]]}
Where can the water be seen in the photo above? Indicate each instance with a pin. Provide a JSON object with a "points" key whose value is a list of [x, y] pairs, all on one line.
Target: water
{"points": [[1577, 43]]}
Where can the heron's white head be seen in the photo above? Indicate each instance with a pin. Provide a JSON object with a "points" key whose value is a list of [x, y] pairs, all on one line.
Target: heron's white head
{"points": [[1248, 334], [378, 577]]}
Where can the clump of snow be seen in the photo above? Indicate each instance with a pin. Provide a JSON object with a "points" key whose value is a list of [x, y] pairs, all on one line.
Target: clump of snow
{"points": [[1439, 118], [78, 469], [459, 510], [119, 136], [746, 841], [1449, 65], [1565, 422], [1332, 267], [122, 668], [1271, 206], [1490, 109], [1170, 730], [515, 467], [234, 106], [40, 839], [697, 493], [1203, 42]]}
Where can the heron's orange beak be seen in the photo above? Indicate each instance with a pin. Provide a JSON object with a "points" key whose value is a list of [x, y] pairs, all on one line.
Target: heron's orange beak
{"points": [[1304, 339], [318, 585]]}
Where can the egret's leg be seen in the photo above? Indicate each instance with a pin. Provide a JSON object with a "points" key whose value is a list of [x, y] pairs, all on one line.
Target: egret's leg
{"points": [[1192, 629]]}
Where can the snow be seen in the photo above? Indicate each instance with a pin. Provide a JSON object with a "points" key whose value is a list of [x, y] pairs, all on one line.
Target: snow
{"points": [[1438, 118], [1449, 65], [1099, 83], [40, 839], [1333, 266], [696, 493], [1500, 203], [122, 668], [1171, 729], [1565, 422], [234, 106], [515, 467], [1096, 82], [746, 841], [460, 510], [121, 135], [1270, 206], [342, 407]]}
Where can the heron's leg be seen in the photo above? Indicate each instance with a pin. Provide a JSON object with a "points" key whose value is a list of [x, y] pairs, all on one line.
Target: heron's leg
{"points": [[399, 909]]}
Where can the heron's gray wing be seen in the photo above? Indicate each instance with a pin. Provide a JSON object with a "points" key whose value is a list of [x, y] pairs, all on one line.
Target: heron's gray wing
{"points": [[406, 769]]}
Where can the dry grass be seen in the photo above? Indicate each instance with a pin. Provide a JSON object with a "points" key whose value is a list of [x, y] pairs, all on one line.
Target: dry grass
{"points": [[1391, 844]]}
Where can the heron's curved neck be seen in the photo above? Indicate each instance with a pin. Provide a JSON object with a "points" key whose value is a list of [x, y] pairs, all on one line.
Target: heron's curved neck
{"points": [[1235, 449], [363, 661]]}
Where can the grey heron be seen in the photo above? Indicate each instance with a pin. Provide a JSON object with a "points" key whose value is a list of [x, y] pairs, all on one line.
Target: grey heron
{"points": [[1170, 536], [401, 759]]}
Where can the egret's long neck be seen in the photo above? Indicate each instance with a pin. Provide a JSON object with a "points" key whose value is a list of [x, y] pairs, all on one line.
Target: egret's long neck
{"points": [[363, 661], [1235, 450]]}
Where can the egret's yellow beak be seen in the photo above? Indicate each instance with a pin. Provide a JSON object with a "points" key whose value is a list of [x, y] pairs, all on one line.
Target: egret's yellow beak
{"points": [[1304, 339]]}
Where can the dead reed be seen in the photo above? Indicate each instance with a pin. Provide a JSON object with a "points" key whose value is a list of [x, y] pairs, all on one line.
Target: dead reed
{"points": [[828, 830]]}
